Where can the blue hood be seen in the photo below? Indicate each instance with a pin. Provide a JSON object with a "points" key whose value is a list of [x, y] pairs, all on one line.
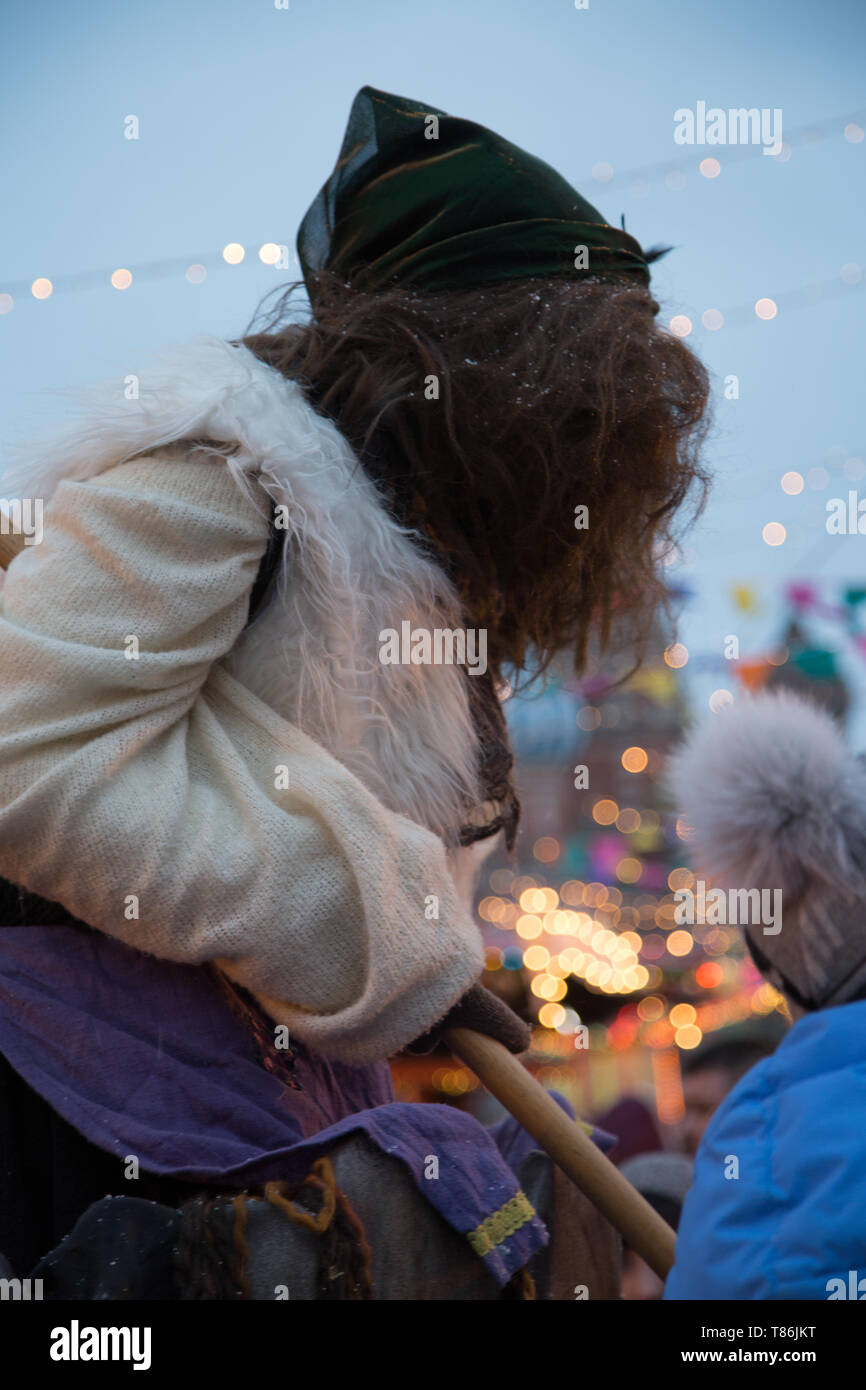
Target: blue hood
{"points": [[795, 1216]]}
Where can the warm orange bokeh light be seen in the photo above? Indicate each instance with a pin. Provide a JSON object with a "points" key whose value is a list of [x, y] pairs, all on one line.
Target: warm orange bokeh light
{"points": [[635, 759]]}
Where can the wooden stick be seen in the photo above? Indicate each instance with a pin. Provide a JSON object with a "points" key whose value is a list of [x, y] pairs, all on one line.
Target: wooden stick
{"points": [[505, 1077]]}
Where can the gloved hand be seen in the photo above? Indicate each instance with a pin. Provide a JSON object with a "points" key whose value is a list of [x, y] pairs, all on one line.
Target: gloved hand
{"points": [[486, 1013]]}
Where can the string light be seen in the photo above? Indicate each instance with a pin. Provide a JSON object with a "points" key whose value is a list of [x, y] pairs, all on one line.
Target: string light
{"points": [[671, 170], [680, 325], [639, 181]]}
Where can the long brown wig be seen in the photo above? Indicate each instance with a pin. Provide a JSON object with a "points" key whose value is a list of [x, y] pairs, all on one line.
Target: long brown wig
{"points": [[488, 415]]}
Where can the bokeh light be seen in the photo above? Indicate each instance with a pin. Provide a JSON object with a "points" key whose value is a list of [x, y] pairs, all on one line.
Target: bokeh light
{"points": [[634, 759], [676, 656]]}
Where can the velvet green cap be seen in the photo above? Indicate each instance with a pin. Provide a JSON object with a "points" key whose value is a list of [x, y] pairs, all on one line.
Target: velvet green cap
{"points": [[460, 209]]}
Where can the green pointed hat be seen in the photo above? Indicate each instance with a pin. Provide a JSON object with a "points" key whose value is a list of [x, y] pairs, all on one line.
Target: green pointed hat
{"points": [[422, 198]]}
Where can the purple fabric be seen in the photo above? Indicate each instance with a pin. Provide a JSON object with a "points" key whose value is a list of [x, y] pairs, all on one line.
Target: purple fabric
{"points": [[146, 1058], [634, 1127]]}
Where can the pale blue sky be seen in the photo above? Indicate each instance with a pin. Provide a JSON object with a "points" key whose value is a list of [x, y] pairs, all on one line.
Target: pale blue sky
{"points": [[242, 107]]}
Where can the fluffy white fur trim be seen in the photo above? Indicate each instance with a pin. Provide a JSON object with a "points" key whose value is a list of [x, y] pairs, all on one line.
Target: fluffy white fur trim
{"points": [[350, 570]]}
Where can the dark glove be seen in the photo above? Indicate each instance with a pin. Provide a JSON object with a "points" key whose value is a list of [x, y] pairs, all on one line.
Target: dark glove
{"points": [[486, 1013]]}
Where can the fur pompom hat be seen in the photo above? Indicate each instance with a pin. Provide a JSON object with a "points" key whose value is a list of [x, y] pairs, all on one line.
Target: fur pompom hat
{"points": [[777, 801]]}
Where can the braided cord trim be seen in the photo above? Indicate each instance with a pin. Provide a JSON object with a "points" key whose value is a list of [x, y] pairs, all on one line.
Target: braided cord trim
{"points": [[501, 1224]]}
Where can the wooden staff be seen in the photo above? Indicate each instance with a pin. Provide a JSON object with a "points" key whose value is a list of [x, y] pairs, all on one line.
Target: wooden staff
{"points": [[527, 1100], [570, 1147]]}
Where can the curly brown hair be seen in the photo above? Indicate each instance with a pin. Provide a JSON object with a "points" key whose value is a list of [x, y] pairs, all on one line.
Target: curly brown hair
{"points": [[488, 415]]}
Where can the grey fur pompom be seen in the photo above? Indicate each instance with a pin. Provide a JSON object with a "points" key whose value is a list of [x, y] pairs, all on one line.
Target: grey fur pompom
{"points": [[775, 798]]}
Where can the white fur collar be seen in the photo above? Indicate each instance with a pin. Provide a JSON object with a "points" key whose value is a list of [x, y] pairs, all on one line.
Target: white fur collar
{"points": [[350, 573]]}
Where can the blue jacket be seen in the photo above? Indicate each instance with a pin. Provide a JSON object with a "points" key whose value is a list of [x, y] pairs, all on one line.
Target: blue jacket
{"points": [[794, 1128]]}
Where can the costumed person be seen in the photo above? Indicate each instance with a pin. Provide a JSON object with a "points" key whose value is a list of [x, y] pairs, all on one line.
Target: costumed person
{"points": [[244, 794], [778, 804]]}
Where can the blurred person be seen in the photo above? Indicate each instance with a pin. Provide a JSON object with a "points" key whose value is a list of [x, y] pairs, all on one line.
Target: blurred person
{"points": [[664, 1180], [633, 1124], [709, 1073], [242, 801], [778, 1205]]}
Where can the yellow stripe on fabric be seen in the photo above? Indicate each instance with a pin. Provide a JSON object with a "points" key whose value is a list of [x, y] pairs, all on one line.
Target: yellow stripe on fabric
{"points": [[497, 1227]]}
